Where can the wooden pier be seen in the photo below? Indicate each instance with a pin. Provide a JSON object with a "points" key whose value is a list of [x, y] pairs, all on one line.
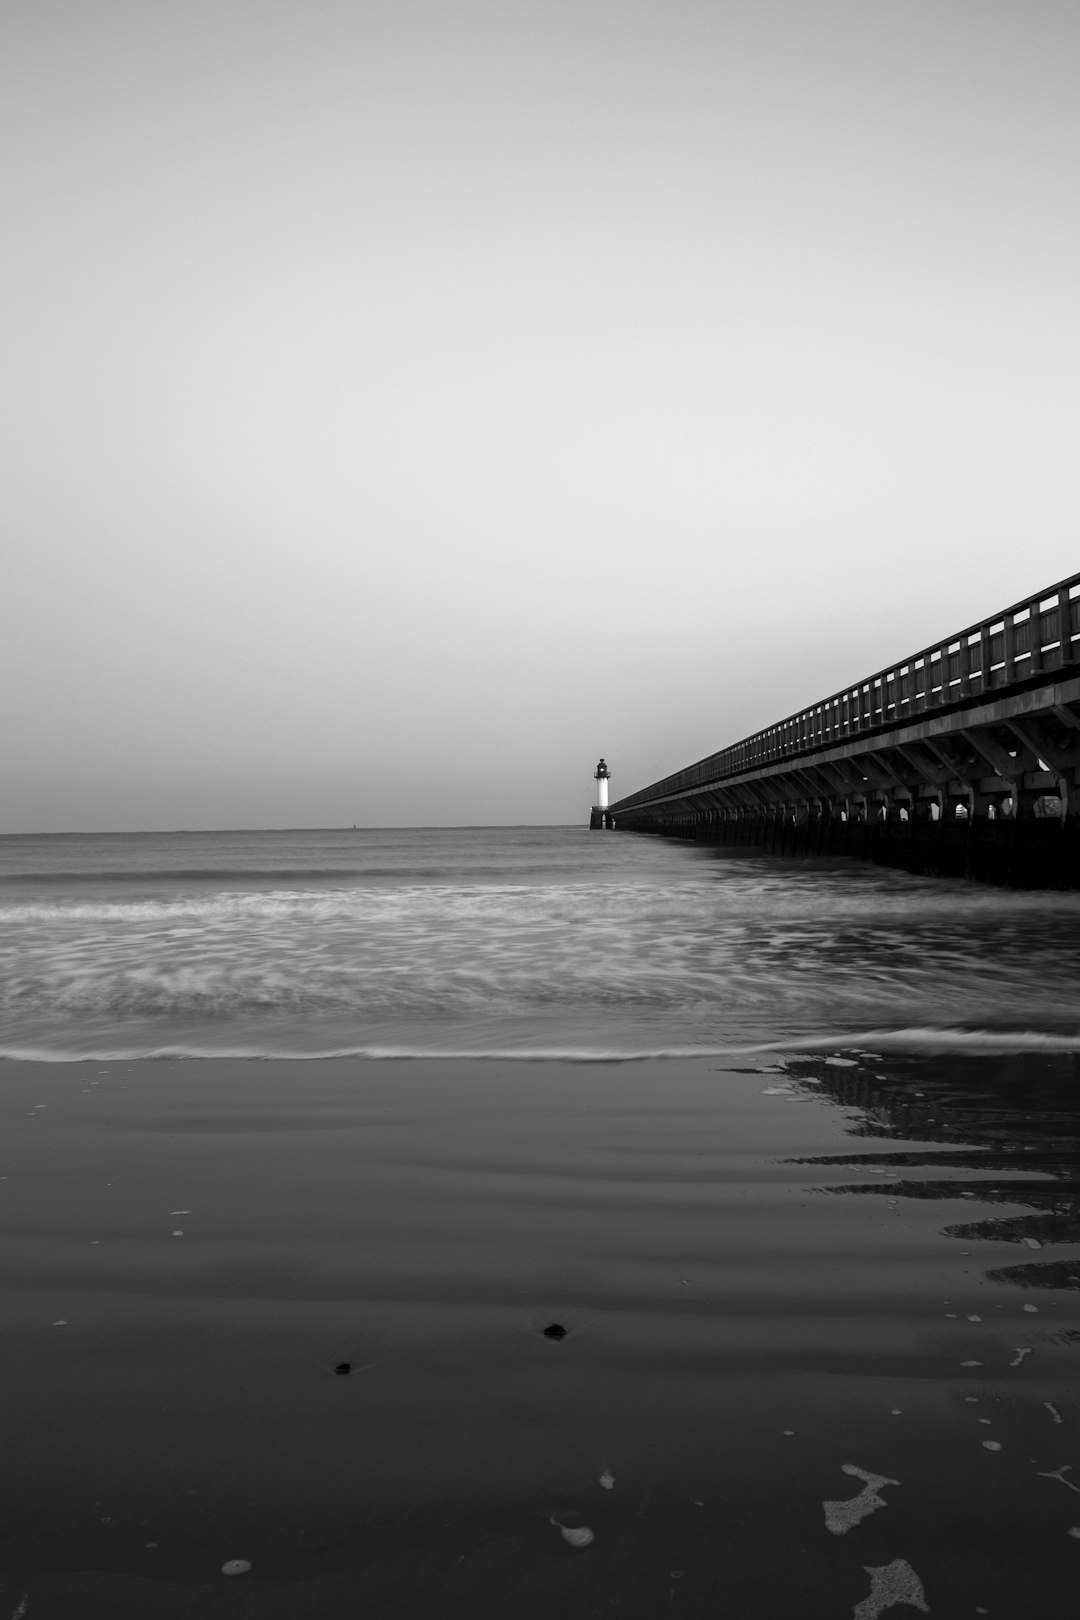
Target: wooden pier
{"points": [[960, 760]]}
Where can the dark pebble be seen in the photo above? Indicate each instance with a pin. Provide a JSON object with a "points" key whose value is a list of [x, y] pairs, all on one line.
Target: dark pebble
{"points": [[555, 1331], [342, 1368]]}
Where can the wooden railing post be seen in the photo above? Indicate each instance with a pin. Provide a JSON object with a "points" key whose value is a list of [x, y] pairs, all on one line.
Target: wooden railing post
{"points": [[987, 657], [1035, 621], [1010, 649], [1065, 623]]}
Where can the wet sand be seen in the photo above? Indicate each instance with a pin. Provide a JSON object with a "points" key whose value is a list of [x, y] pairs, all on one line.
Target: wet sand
{"points": [[779, 1290]]}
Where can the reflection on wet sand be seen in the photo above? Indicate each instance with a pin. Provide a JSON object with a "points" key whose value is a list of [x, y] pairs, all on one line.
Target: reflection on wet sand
{"points": [[614, 1334], [1018, 1120]]}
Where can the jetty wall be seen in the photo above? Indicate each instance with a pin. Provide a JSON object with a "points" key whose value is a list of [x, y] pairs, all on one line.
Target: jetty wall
{"points": [[960, 760]]}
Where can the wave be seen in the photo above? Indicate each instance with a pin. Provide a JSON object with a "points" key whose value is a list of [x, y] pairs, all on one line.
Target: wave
{"points": [[959, 1041], [452, 901], [314, 905], [587, 905], [197, 874], [256, 1052]]}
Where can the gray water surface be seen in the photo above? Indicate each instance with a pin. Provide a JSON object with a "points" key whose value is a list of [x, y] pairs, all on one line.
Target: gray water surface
{"points": [[525, 941]]}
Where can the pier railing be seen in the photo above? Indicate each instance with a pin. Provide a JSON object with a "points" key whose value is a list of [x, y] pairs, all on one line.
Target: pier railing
{"points": [[1011, 649]]}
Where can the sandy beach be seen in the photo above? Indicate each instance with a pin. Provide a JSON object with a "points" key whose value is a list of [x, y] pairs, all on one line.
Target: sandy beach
{"points": [[778, 1284]]}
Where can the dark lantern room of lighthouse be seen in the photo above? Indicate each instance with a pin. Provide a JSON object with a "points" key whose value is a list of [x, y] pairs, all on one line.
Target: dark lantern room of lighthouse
{"points": [[600, 818]]}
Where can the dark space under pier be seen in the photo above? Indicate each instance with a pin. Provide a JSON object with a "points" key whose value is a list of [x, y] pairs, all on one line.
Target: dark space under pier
{"points": [[1036, 854]]}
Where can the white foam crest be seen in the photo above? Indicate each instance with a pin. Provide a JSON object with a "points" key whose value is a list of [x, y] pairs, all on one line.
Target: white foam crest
{"points": [[975, 1041], [256, 1051], [483, 901], [771, 901]]}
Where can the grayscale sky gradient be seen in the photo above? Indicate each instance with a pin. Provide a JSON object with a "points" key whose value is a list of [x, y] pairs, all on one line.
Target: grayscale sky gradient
{"points": [[404, 403]]}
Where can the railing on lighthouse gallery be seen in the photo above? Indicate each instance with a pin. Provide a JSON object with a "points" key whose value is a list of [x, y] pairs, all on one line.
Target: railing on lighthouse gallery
{"points": [[600, 817]]}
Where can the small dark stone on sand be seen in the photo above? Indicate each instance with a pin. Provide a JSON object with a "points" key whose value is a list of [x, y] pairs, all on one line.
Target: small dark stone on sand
{"points": [[555, 1331], [342, 1368]]}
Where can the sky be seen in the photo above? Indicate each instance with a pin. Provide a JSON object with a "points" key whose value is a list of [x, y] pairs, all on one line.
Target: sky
{"points": [[404, 403]]}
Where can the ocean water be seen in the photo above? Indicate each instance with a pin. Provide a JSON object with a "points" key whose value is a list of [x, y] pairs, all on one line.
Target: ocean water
{"points": [[543, 942]]}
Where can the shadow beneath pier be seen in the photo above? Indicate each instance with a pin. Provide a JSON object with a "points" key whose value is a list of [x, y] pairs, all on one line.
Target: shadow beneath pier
{"points": [[1023, 854]]}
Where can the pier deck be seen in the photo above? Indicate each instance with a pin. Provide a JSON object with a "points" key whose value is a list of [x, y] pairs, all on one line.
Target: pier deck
{"points": [[961, 759]]}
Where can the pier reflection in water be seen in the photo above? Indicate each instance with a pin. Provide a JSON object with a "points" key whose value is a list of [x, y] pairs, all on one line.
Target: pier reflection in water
{"points": [[1002, 1130]]}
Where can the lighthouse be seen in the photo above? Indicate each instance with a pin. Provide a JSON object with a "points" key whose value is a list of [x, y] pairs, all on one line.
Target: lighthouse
{"points": [[600, 817]]}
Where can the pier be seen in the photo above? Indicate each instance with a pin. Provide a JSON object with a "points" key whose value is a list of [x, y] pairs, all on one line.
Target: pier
{"points": [[960, 760]]}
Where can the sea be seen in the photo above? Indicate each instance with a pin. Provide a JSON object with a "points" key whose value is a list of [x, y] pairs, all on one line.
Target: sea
{"points": [[527, 942]]}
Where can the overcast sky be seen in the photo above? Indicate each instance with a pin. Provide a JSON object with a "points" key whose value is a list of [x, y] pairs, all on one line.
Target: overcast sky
{"points": [[404, 403]]}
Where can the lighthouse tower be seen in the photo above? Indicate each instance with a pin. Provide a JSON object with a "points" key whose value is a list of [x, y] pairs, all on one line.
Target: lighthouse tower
{"points": [[602, 777]]}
